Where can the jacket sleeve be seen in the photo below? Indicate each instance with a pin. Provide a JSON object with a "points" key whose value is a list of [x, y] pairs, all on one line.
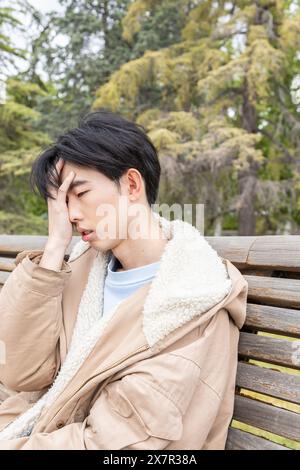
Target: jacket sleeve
{"points": [[138, 411], [30, 323]]}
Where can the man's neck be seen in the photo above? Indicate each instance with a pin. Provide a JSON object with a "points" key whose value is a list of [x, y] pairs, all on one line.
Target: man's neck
{"points": [[133, 253]]}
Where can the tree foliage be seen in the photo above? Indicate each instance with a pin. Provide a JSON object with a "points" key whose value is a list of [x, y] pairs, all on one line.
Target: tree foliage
{"points": [[215, 85], [232, 74]]}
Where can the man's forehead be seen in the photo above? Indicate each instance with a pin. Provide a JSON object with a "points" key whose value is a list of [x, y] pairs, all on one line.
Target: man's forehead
{"points": [[77, 182], [80, 173], [79, 179]]}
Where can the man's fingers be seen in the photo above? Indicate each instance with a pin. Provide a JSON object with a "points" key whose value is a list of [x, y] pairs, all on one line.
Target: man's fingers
{"points": [[67, 181], [59, 164], [58, 167], [63, 189]]}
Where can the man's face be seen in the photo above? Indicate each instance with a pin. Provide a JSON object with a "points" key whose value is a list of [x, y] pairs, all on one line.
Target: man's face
{"points": [[93, 200]]}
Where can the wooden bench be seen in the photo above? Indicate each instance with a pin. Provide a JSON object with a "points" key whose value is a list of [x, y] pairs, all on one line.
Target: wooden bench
{"points": [[267, 404]]}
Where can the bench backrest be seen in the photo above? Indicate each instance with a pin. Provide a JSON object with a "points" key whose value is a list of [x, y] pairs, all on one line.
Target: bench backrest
{"points": [[268, 379], [267, 403]]}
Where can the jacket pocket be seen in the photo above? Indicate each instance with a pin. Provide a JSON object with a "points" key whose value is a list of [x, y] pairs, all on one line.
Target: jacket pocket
{"points": [[157, 414], [128, 412]]}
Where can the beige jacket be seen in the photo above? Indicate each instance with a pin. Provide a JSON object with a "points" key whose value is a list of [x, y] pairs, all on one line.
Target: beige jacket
{"points": [[159, 372]]}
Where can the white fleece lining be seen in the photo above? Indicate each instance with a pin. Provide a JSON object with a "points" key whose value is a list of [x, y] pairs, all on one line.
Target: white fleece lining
{"points": [[190, 280]]}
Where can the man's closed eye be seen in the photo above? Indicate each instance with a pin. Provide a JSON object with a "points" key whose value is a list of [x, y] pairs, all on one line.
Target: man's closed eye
{"points": [[80, 194]]}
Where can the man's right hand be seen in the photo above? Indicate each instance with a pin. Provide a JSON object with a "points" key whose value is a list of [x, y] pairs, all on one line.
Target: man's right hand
{"points": [[59, 224]]}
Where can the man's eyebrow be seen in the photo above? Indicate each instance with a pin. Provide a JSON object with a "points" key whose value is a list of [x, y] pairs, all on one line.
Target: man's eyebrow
{"points": [[74, 184]]}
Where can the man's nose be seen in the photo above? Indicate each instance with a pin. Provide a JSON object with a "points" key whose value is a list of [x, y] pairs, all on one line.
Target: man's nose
{"points": [[74, 212]]}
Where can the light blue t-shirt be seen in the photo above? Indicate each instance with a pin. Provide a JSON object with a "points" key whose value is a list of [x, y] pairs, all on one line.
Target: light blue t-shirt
{"points": [[120, 284]]}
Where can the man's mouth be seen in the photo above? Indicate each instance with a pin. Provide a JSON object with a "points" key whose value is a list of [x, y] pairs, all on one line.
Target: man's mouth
{"points": [[87, 235]]}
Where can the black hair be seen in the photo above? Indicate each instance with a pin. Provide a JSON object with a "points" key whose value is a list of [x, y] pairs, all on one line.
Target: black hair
{"points": [[104, 141]]}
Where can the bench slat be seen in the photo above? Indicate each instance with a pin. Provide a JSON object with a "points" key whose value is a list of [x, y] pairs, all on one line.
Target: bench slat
{"points": [[274, 291], [268, 251], [269, 382], [267, 417], [242, 440], [11, 245], [273, 319], [267, 349], [234, 248], [7, 264], [275, 251]]}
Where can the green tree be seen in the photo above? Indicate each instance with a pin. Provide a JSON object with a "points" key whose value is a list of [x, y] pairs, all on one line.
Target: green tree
{"points": [[8, 52], [232, 76], [20, 142], [77, 50], [82, 46]]}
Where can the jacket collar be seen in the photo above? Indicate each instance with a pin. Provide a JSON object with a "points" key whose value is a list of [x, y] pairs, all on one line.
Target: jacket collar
{"points": [[191, 279]]}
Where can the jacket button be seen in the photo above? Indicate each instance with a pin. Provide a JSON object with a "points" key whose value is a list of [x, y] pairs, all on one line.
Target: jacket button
{"points": [[60, 424]]}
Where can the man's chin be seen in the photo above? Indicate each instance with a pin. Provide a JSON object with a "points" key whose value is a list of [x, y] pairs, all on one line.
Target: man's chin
{"points": [[103, 244]]}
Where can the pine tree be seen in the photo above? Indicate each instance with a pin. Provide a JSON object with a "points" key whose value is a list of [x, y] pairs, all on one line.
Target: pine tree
{"points": [[230, 82], [20, 143]]}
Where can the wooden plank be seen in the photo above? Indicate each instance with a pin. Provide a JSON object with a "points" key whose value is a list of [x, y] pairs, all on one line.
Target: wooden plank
{"points": [[273, 319], [234, 248], [267, 349], [270, 251], [274, 291], [268, 417], [11, 245], [269, 382], [280, 252], [7, 264], [242, 440]]}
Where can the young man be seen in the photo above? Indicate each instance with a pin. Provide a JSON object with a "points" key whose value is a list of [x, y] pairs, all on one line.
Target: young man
{"points": [[131, 342]]}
